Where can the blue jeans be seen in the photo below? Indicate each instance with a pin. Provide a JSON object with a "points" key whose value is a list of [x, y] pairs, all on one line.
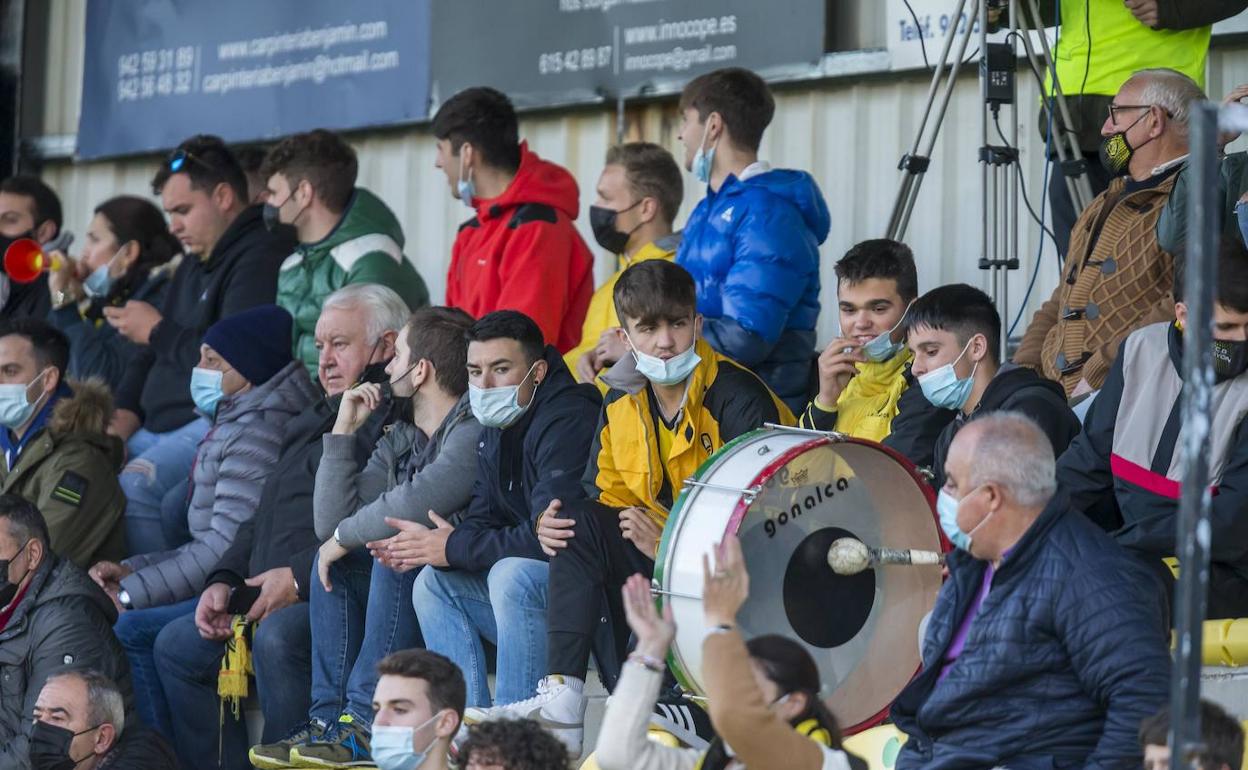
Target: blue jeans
{"points": [[188, 665], [159, 462], [456, 609], [364, 619], [137, 631]]}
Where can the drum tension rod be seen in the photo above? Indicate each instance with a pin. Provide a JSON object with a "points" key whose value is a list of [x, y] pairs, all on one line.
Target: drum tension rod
{"points": [[654, 589], [750, 492], [831, 434]]}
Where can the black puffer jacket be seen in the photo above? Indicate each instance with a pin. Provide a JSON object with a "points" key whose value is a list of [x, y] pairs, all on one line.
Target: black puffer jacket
{"points": [[525, 466], [1068, 653], [282, 534], [62, 619]]}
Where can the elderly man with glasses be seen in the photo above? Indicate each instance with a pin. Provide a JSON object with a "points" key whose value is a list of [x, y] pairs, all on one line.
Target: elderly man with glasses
{"points": [[1116, 277]]}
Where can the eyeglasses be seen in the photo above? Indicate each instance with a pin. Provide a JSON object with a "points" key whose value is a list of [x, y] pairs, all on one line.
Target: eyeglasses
{"points": [[177, 161], [1114, 109]]}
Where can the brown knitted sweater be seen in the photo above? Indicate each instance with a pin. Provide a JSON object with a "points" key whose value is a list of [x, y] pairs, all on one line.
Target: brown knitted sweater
{"points": [[1113, 285]]}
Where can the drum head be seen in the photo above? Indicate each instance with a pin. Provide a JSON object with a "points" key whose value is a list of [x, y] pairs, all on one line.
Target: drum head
{"points": [[862, 630]]}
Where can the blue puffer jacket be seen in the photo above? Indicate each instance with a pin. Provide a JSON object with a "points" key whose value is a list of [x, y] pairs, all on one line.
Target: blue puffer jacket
{"points": [[753, 250], [1067, 654]]}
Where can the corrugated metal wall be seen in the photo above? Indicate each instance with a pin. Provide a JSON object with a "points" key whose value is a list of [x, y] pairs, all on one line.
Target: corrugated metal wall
{"points": [[849, 133]]}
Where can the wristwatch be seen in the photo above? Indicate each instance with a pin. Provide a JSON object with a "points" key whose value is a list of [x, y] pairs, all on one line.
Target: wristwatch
{"points": [[337, 539], [123, 598]]}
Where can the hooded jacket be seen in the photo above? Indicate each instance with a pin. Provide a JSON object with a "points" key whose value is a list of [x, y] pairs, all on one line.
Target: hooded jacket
{"points": [[723, 401], [521, 468], [366, 246], [408, 475], [281, 534], [753, 250], [240, 273], [69, 471], [1066, 655], [1130, 451], [522, 252], [231, 467], [63, 619], [1017, 389], [913, 423], [96, 349]]}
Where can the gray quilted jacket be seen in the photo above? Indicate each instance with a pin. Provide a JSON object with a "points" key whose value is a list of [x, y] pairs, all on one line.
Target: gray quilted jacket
{"points": [[231, 466]]}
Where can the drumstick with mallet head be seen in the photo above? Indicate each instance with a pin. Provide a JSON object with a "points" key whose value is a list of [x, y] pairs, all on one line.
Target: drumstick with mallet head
{"points": [[849, 556]]}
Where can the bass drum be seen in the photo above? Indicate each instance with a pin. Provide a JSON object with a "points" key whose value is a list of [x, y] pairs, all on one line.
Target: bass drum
{"points": [[788, 494]]}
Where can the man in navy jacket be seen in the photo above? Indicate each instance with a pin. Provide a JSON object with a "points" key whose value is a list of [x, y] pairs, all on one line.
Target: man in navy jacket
{"points": [[1047, 645], [537, 428]]}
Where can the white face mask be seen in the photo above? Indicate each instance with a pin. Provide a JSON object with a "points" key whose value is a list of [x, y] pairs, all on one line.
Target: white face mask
{"points": [[671, 371], [500, 407], [15, 406], [393, 749]]}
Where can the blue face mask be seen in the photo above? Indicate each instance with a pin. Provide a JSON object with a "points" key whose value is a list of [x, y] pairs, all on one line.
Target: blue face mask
{"points": [[499, 407], [942, 387], [206, 389], [392, 747], [467, 190], [1241, 213], [882, 347], [100, 282], [947, 507], [672, 371], [703, 159], [15, 407]]}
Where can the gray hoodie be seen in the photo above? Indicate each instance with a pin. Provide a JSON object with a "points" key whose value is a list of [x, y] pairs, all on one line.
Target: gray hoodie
{"points": [[408, 475]]}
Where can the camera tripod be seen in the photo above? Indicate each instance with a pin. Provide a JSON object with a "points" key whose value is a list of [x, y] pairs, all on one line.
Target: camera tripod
{"points": [[999, 163]]}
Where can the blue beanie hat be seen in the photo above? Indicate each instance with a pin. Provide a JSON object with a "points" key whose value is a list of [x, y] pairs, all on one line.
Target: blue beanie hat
{"points": [[257, 342]]}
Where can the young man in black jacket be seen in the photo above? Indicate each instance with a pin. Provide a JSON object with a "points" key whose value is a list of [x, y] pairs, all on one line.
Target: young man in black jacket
{"points": [[954, 333], [274, 551], [28, 209], [537, 428], [231, 264], [1125, 469]]}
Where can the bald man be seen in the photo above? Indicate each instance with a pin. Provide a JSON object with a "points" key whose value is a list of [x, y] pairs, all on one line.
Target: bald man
{"points": [[1047, 645]]}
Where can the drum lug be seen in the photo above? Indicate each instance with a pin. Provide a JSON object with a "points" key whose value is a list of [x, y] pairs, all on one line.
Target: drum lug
{"points": [[654, 589], [831, 435]]}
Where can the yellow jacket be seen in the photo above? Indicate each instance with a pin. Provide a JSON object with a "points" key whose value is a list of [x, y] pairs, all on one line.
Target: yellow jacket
{"points": [[725, 400], [601, 313], [869, 402]]}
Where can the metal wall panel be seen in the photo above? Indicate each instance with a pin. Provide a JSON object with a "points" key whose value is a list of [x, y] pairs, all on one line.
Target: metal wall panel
{"points": [[848, 132]]}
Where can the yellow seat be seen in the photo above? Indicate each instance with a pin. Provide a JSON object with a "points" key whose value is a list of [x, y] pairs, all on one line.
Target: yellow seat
{"points": [[878, 746], [1225, 642]]}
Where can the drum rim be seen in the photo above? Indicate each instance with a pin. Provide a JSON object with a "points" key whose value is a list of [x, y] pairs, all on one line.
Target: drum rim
{"points": [[738, 514]]}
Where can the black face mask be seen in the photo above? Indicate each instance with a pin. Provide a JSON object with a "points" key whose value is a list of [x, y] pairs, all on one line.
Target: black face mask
{"points": [[9, 590], [602, 222], [1116, 151], [1230, 359], [49, 746], [271, 215]]}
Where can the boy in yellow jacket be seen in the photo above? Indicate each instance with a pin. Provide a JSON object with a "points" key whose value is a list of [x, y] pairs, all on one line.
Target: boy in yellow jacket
{"points": [[865, 386], [639, 194], [673, 401]]}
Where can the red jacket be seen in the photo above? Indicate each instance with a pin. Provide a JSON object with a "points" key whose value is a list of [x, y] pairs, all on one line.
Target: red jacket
{"points": [[521, 252]]}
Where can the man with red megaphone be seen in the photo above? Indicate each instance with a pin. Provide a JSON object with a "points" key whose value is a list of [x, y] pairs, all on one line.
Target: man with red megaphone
{"points": [[29, 209]]}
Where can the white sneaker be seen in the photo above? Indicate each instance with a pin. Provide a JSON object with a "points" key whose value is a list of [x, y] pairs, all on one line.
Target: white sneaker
{"points": [[557, 707]]}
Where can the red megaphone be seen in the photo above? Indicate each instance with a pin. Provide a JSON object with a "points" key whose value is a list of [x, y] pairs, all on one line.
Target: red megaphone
{"points": [[24, 260]]}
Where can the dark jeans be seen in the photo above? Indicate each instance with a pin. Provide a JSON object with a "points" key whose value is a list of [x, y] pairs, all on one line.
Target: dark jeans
{"points": [[189, 664], [137, 631], [367, 616], [585, 579], [1063, 209]]}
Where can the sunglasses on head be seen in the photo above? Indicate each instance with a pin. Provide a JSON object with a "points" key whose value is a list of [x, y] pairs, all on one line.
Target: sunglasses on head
{"points": [[178, 160]]}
